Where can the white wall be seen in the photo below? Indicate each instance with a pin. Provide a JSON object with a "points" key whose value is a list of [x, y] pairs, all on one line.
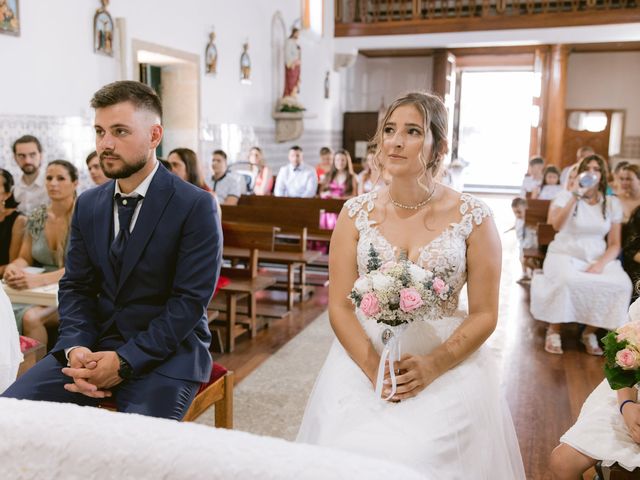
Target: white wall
{"points": [[371, 80], [606, 80], [52, 69]]}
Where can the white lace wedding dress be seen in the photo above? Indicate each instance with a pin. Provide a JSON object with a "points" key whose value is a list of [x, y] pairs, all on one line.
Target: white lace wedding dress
{"points": [[459, 427]]}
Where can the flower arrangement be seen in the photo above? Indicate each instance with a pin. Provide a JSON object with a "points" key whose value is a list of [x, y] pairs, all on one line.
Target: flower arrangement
{"points": [[290, 104], [622, 356], [395, 293]]}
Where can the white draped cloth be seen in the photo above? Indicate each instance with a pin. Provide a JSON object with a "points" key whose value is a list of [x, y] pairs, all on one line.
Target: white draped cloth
{"points": [[600, 431], [46, 440], [10, 355], [459, 427]]}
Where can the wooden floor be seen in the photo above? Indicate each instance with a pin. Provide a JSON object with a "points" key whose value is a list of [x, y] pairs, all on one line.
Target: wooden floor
{"points": [[544, 391]]}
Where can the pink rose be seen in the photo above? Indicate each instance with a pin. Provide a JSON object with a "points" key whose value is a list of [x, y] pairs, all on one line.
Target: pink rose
{"points": [[630, 332], [438, 285], [370, 305], [628, 359], [410, 300]]}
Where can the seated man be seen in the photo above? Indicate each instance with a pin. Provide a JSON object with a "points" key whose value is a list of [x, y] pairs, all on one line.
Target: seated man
{"points": [[144, 255], [296, 179], [228, 186], [95, 170]]}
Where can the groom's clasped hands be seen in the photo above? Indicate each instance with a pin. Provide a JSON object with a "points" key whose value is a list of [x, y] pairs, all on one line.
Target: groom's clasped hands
{"points": [[413, 374], [93, 373]]}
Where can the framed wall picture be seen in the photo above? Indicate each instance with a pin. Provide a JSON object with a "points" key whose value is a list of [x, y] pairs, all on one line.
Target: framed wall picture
{"points": [[245, 65], [10, 17], [103, 30], [211, 56]]}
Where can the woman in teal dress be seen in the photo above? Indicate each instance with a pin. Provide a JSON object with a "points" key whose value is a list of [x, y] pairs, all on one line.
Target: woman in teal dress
{"points": [[44, 246]]}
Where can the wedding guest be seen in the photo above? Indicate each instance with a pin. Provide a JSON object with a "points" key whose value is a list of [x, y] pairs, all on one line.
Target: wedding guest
{"points": [[95, 170], [340, 181], [581, 153], [608, 429], [583, 281], [30, 191], [263, 178], [533, 178], [325, 163], [550, 186], [629, 189], [616, 181], [527, 236], [228, 186], [296, 179], [631, 249], [369, 178], [44, 246], [571, 180], [185, 165], [12, 222], [10, 354]]}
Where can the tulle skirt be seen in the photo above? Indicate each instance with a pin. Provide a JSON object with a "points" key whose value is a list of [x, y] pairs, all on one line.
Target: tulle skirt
{"points": [[459, 427], [10, 355]]}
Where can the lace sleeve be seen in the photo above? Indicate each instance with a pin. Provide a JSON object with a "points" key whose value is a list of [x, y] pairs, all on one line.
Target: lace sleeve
{"points": [[473, 212], [356, 204]]}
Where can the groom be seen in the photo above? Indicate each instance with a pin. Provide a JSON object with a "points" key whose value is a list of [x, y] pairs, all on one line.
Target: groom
{"points": [[143, 258]]}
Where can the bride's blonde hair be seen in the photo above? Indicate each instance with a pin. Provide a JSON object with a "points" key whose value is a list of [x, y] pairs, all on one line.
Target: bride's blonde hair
{"points": [[434, 115]]}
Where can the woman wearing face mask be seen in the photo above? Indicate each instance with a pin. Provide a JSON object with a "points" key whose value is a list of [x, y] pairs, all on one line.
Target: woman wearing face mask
{"points": [[583, 281]]}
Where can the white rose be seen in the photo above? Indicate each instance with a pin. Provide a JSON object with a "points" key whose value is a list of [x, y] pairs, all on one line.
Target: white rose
{"points": [[417, 273], [381, 281], [362, 285]]}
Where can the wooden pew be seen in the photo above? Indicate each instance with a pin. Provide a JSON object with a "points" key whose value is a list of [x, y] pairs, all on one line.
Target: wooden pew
{"points": [[536, 217], [327, 204], [245, 282]]}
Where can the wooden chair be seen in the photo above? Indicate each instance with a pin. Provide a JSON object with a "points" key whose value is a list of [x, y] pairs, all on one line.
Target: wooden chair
{"points": [[616, 472], [536, 217], [245, 282]]}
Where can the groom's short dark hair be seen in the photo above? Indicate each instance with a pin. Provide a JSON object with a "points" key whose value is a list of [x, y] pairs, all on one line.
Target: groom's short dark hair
{"points": [[141, 95]]}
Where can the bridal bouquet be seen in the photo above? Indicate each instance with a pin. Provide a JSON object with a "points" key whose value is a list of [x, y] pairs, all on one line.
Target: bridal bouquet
{"points": [[395, 293], [622, 356]]}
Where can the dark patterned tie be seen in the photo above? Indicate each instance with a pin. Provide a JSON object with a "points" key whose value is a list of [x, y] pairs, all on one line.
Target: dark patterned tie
{"points": [[126, 207]]}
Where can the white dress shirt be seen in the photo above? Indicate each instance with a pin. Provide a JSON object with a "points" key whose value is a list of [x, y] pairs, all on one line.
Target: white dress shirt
{"points": [[31, 196], [300, 181], [139, 190]]}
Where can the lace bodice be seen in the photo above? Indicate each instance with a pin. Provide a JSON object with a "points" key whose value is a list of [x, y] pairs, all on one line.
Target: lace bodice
{"points": [[445, 255]]}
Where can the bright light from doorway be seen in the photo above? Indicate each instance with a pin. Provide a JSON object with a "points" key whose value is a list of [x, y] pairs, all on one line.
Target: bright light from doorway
{"points": [[496, 116]]}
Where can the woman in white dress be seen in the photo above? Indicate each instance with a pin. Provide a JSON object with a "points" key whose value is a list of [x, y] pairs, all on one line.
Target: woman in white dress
{"points": [[608, 429], [10, 355], [583, 281], [448, 417]]}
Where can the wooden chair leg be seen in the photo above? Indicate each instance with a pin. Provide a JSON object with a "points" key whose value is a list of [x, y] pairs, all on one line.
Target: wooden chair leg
{"points": [[224, 407], [232, 304], [253, 318], [291, 278]]}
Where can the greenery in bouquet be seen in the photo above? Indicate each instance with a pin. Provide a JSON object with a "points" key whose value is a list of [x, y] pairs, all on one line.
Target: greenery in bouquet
{"points": [[622, 356], [290, 105], [395, 293]]}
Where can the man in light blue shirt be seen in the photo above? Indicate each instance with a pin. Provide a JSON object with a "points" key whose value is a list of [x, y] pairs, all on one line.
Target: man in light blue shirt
{"points": [[296, 179]]}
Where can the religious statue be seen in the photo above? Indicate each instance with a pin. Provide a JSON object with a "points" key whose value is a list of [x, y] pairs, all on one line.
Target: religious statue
{"points": [[292, 59], [211, 55], [103, 30], [245, 64], [8, 17]]}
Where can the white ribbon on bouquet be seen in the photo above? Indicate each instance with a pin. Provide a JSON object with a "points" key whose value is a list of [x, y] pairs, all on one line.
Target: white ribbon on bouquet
{"points": [[391, 353]]}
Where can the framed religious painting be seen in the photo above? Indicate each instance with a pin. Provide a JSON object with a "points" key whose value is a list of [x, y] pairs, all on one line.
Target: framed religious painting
{"points": [[10, 17], [103, 30]]}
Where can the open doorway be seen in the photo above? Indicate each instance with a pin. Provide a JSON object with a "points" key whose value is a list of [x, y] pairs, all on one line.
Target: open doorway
{"points": [[175, 76], [495, 128]]}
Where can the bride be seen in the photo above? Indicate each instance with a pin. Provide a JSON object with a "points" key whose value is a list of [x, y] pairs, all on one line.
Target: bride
{"points": [[447, 418]]}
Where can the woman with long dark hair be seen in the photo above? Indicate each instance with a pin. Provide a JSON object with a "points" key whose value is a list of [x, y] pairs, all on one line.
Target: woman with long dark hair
{"points": [[583, 280], [184, 164], [12, 222], [44, 246]]}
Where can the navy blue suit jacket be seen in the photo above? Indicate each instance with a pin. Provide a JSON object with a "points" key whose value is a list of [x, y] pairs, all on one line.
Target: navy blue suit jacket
{"points": [[157, 309]]}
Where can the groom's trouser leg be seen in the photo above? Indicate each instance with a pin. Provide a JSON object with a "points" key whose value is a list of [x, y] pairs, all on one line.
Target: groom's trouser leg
{"points": [[155, 395], [45, 381]]}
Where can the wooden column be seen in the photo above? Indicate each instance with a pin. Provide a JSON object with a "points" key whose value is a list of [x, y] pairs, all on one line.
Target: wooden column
{"points": [[439, 84], [553, 130]]}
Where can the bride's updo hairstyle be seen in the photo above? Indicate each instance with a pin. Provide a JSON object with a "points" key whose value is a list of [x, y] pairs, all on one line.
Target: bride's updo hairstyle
{"points": [[434, 115]]}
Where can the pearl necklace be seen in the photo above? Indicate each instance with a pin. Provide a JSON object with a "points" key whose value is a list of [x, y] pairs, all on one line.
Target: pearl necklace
{"points": [[412, 207]]}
